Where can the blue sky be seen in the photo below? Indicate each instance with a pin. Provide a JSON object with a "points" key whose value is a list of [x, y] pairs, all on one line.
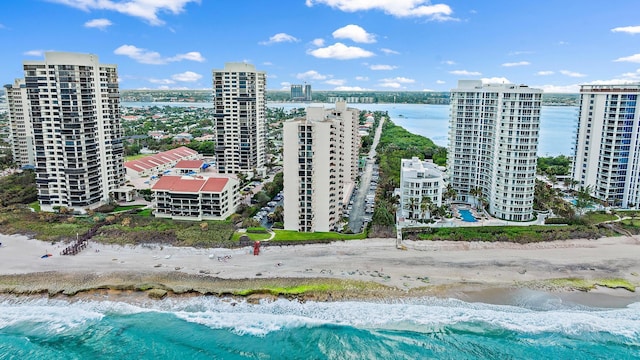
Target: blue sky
{"points": [[409, 45]]}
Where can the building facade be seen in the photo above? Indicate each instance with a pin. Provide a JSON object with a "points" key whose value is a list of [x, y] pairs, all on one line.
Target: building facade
{"points": [[193, 198], [320, 164], [20, 129], [421, 184], [240, 103], [607, 143], [493, 144], [74, 108]]}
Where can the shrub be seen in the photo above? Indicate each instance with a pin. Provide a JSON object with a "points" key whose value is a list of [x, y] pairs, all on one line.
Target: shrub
{"points": [[257, 230]]}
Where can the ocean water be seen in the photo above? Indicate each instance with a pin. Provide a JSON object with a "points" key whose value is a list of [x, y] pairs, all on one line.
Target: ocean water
{"points": [[540, 327]]}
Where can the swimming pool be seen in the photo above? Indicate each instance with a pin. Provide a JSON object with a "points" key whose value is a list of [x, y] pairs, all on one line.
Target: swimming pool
{"points": [[466, 215]]}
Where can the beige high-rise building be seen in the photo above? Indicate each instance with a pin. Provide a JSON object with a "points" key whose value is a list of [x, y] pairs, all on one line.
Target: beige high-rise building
{"points": [[240, 103], [73, 103], [607, 151], [20, 124], [320, 165], [493, 145]]}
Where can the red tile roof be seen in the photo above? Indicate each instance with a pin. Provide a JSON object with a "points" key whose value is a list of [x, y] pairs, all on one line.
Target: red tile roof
{"points": [[189, 184], [166, 157], [215, 184], [189, 164]]}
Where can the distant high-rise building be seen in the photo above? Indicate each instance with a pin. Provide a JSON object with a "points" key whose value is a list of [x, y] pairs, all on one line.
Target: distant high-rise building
{"points": [[607, 151], [493, 144], [307, 92], [320, 166], [20, 124], [301, 92], [297, 93], [240, 103], [74, 108]]}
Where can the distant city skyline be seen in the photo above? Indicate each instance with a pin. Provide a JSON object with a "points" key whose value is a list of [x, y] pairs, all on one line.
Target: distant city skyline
{"points": [[386, 45]]}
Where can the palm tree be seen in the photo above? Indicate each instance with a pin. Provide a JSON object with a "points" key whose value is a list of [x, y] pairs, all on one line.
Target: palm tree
{"points": [[425, 205], [450, 193], [413, 204], [476, 192]]}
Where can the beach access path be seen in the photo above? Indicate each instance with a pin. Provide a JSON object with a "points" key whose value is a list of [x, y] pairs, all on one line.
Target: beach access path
{"points": [[424, 262]]}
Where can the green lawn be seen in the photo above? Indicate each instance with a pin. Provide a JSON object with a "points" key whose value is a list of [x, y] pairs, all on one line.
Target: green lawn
{"points": [[135, 157], [145, 212], [35, 206], [597, 217], [127, 207], [252, 236], [288, 235]]}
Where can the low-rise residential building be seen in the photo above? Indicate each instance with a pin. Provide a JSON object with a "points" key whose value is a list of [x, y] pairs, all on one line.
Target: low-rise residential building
{"points": [[189, 166], [422, 185], [158, 163], [195, 198]]}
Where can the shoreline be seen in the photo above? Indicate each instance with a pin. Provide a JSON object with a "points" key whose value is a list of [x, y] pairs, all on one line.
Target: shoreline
{"points": [[370, 269]]}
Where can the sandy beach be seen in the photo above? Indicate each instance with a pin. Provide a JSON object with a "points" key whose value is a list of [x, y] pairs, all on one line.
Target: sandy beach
{"points": [[441, 264]]}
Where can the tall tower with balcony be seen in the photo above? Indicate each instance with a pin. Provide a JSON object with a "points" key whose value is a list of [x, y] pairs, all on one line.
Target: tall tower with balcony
{"points": [[493, 144], [607, 150], [319, 167], [20, 124], [73, 104], [240, 103]]}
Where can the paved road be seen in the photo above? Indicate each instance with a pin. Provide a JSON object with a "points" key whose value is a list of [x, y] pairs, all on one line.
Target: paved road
{"points": [[357, 212]]}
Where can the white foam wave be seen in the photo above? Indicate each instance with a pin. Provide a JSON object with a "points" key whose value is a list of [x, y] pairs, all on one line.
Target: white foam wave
{"points": [[425, 315]]}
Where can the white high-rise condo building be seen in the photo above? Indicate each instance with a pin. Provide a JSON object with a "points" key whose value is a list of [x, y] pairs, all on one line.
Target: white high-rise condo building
{"points": [[20, 124], [320, 165], [493, 144], [240, 103], [73, 104], [607, 143]]}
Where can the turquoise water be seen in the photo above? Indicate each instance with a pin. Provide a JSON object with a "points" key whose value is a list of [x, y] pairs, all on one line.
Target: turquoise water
{"points": [[466, 215], [541, 327]]}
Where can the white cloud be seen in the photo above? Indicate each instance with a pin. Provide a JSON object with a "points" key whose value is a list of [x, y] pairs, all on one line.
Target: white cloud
{"points": [[145, 56], [440, 82], [574, 89], [161, 81], [278, 38], [563, 42], [312, 75], [465, 73], [627, 29], [545, 73], [572, 73], [341, 52], [354, 33], [389, 51], [187, 76], [362, 78], [382, 67], [145, 9], [98, 23], [513, 53], [496, 80], [449, 62], [285, 85], [318, 42], [2, 26], [633, 58], [267, 63], [349, 88], [428, 90], [35, 52], [402, 80], [393, 85], [272, 76], [519, 63], [336, 82], [632, 75], [397, 8]]}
